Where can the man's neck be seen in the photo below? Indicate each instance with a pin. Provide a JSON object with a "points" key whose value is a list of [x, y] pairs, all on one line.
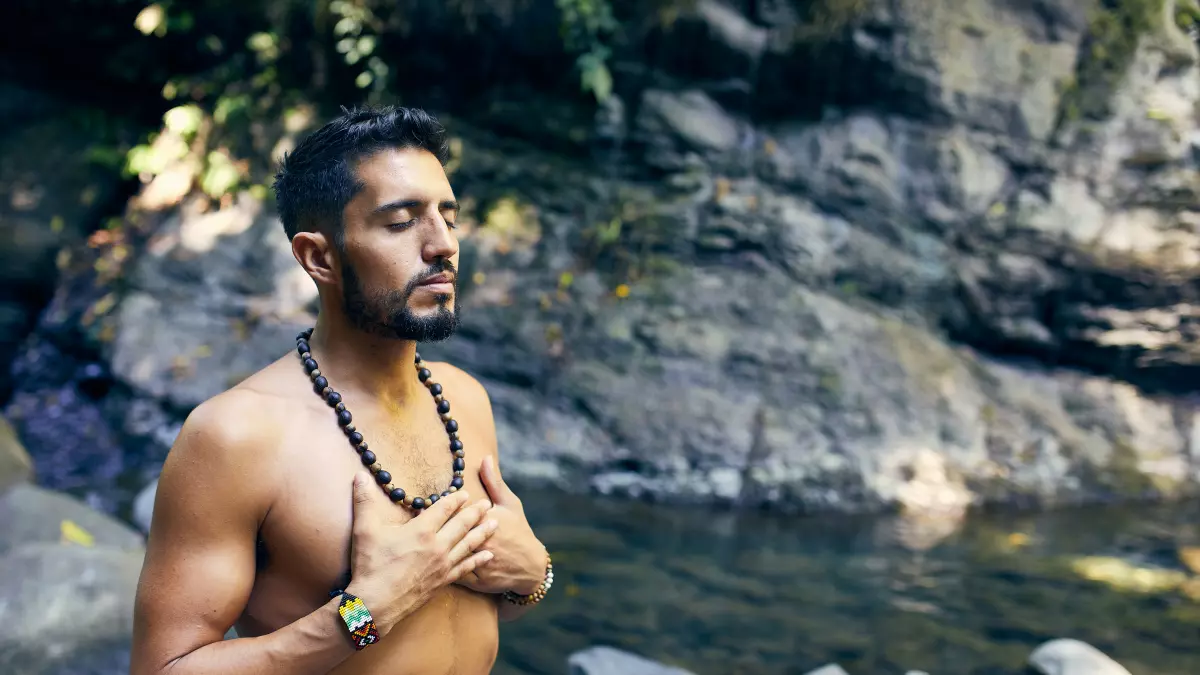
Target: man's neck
{"points": [[378, 366]]}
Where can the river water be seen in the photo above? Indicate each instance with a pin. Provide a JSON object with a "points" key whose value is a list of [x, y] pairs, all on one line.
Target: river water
{"points": [[720, 593]]}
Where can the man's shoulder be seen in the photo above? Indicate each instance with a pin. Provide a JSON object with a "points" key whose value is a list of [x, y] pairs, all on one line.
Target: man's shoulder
{"points": [[458, 382], [233, 422], [469, 397]]}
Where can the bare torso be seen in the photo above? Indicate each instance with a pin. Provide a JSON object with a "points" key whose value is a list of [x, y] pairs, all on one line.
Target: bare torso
{"points": [[304, 541]]}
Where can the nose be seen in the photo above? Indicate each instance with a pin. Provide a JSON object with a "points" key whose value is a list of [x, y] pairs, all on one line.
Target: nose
{"points": [[440, 241]]}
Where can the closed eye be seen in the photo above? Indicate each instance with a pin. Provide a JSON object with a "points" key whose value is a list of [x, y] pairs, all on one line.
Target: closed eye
{"points": [[400, 226]]}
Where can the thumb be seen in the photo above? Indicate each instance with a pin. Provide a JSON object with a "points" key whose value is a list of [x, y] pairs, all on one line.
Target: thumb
{"points": [[362, 490], [493, 482]]}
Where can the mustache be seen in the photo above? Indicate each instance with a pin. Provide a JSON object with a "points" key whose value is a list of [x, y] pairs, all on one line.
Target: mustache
{"points": [[433, 270]]}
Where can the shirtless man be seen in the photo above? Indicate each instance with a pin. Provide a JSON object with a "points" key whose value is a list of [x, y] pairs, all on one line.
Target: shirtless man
{"points": [[274, 497]]}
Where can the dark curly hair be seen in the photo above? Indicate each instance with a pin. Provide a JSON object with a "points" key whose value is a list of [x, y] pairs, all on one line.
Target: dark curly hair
{"points": [[317, 179]]}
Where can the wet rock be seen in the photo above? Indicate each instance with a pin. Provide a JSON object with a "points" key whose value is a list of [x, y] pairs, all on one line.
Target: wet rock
{"points": [[1072, 657], [831, 669], [610, 661]]}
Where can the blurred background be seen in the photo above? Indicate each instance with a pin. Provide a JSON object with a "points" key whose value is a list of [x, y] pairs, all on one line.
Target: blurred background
{"points": [[857, 332]]}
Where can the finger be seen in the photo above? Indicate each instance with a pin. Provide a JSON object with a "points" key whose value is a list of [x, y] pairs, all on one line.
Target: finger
{"points": [[473, 540], [470, 565], [493, 482], [363, 491], [436, 516], [462, 522]]}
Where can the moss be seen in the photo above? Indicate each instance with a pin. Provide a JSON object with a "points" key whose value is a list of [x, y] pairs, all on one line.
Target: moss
{"points": [[1187, 15], [1122, 474], [1108, 49], [822, 20]]}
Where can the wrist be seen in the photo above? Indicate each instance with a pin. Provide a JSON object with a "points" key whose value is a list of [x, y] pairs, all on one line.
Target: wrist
{"points": [[534, 573], [373, 600], [357, 622], [539, 591]]}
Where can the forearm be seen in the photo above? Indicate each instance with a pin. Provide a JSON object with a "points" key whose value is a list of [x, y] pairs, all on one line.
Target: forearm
{"points": [[312, 645]]}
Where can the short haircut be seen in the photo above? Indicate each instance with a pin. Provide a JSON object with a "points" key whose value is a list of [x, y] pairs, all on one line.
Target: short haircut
{"points": [[317, 179]]}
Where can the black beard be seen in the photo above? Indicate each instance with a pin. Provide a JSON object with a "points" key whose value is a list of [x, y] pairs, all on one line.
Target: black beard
{"points": [[387, 313]]}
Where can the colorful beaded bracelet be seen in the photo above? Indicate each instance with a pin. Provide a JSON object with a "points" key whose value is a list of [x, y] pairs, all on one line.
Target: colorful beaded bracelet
{"points": [[358, 620], [536, 596]]}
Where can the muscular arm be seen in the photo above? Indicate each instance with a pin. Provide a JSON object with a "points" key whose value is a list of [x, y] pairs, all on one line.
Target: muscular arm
{"points": [[214, 491]]}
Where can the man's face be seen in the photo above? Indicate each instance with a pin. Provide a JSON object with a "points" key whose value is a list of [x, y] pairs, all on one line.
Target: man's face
{"points": [[400, 259]]}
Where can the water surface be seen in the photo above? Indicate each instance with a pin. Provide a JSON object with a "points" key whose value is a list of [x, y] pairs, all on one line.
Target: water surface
{"points": [[720, 593]]}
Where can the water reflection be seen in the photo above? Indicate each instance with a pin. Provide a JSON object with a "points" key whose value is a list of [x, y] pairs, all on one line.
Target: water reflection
{"points": [[721, 593]]}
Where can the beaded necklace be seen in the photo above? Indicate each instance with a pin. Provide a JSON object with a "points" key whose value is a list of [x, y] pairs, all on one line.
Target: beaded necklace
{"points": [[396, 494]]}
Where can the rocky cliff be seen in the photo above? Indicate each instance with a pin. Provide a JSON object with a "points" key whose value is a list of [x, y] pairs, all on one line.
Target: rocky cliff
{"points": [[812, 255]]}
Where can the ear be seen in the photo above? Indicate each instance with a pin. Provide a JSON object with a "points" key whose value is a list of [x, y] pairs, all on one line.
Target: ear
{"points": [[315, 253]]}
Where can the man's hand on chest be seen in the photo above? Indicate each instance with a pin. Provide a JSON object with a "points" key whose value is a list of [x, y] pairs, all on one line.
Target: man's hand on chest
{"points": [[519, 564]]}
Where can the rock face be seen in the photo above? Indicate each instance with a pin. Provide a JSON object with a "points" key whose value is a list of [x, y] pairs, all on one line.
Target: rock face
{"points": [[938, 287], [52, 188]]}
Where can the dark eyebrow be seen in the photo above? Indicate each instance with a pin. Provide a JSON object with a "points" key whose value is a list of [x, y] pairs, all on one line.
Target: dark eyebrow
{"points": [[448, 204], [396, 206]]}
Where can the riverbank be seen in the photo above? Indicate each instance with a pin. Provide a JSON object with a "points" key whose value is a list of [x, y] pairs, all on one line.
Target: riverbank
{"points": [[716, 592]]}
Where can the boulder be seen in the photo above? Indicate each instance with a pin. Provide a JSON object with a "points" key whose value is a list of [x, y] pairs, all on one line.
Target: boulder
{"points": [[611, 661], [1072, 657], [831, 669], [81, 596], [34, 515]]}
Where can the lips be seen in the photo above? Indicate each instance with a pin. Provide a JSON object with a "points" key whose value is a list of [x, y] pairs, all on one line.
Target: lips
{"points": [[441, 278]]}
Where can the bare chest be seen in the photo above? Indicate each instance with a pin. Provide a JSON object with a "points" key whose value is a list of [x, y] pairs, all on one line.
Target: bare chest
{"points": [[305, 540]]}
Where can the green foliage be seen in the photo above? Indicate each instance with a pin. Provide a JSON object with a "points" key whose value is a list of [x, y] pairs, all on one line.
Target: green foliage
{"points": [[1114, 33], [356, 30], [586, 25], [1187, 16]]}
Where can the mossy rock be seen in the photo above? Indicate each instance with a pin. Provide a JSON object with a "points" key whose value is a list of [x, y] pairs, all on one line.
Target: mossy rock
{"points": [[1113, 36]]}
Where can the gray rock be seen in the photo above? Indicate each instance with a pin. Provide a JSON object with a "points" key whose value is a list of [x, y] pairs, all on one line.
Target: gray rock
{"points": [[143, 506], [34, 515], [1072, 657], [831, 669], [83, 596], [610, 661]]}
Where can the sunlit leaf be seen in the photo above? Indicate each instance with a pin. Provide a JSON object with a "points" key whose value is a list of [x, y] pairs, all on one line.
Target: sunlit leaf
{"points": [[183, 120], [152, 19]]}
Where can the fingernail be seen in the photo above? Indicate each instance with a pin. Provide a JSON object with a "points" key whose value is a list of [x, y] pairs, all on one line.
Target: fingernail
{"points": [[464, 494], [487, 555], [492, 525]]}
